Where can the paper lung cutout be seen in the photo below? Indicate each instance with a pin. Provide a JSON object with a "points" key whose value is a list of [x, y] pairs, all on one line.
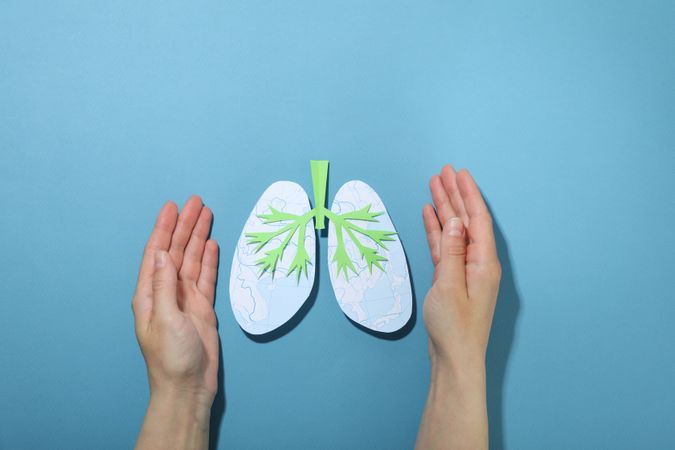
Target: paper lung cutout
{"points": [[273, 265], [264, 303], [377, 299]]}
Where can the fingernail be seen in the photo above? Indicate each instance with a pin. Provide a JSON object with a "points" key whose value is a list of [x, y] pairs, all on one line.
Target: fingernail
{"points": [[455, 227], [159, 259]]}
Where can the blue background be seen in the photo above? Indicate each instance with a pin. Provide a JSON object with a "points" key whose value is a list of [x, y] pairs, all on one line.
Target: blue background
{"points": [[563, 111]]}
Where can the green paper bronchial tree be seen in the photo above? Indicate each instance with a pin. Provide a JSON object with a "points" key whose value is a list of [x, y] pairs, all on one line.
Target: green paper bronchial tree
{"points": [[297, 223]]}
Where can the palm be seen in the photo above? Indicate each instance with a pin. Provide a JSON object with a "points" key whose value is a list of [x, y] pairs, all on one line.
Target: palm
{"points": [[198, 342], [184, 347]]}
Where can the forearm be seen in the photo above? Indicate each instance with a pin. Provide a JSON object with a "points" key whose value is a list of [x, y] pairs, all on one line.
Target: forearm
{"points": [[455, 415], [175, 420]]}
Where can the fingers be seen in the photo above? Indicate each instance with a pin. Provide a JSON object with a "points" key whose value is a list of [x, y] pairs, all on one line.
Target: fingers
{"points": [[449, 180], [433, 230], [194, 251], [209, 271], [164, 286], [452, 267], [160, 239], [186, 223], [482, 249], [441, 200]]}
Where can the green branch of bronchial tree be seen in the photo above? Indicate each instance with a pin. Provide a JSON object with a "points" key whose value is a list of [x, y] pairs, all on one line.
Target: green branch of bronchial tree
{"points": [[268, 263], [292, 223], [343, 223]]}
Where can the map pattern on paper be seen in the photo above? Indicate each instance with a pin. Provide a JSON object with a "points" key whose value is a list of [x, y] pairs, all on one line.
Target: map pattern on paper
{"points": [[263, 303], [381, 300]]}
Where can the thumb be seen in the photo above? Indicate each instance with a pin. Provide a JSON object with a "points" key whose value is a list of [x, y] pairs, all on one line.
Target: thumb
{"points": [[452, 267], [164, 280]]}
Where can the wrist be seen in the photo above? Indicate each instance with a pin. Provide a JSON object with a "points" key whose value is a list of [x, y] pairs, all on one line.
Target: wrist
{"points": [[176, 419], [455, 415], [187, 412], [467, 377], [187, 392], [188, 401]]}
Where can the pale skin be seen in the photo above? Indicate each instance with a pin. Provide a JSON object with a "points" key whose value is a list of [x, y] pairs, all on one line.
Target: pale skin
{"points": [[176, 325], [458, 312]]}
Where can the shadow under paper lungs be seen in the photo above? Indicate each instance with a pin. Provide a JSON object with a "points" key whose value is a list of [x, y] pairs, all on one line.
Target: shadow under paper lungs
{"points": [[300, 313], [500, 346], [409, 325]]}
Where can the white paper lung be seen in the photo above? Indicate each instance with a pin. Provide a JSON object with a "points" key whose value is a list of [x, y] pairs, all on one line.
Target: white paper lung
{"points": [[263, 303], [381, 301]]}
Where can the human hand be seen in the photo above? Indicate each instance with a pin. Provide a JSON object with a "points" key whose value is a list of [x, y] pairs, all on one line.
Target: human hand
{"points": [[176, 326], [458, 312], [458, 308]]}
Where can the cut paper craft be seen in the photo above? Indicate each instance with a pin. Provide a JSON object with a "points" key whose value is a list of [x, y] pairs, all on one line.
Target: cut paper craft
{"points": [[377, 299], [273, 265], [263, 303]]}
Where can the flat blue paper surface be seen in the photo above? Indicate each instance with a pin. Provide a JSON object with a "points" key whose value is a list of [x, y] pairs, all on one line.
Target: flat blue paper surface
{"points": [[564, 113]]}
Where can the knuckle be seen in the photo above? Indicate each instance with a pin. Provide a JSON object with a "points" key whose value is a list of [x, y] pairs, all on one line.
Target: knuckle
{"points": [[158, 283], [187, 273], [435, 255], [135, 303], [177, 254], [456, 249], [491, 271], [494, 270], [209, 317], [148, 251], [498, 271]]}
